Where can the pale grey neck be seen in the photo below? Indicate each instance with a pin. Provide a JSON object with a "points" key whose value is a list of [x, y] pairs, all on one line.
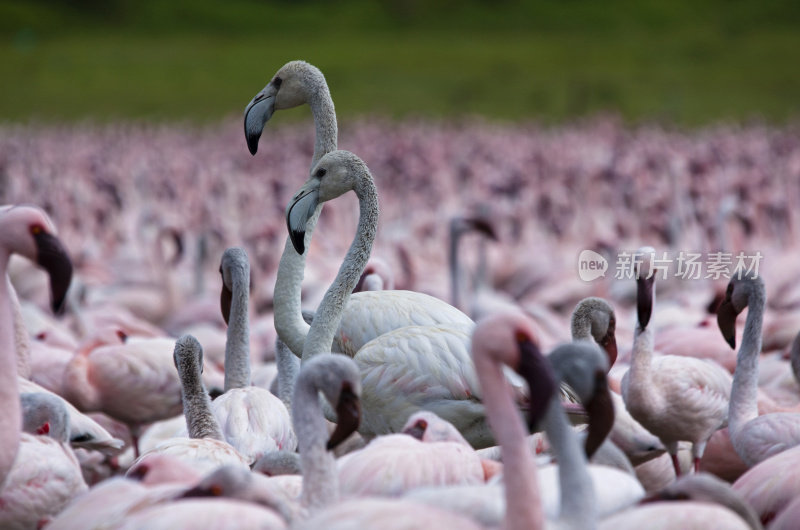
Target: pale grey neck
{"points": [[329, 313], [237, 346], [744, 392], [21, 338], [327, 131], [455, 267], [642, 353], [11, 418], [578, 505], [200, 421], [288, 367], [320, 479], [289, 323]]}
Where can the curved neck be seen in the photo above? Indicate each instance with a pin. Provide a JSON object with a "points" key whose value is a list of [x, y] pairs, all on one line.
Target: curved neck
{"points": [[523, 506], [200, 421], [327, 131], [744, 392], [577, 490], [289, 323], [11, 418], [329, 313], [320, 480], [237, 346]]}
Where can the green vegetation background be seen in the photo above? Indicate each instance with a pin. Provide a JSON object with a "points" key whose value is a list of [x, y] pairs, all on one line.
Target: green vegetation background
{"points": [[682, 62]]}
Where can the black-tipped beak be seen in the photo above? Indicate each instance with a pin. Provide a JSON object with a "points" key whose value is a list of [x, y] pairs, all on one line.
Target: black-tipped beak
{"points": [[726, 320], [348, 416], [536, 370], [225, 300], [483, 226], [256, 116], [201, 491], [417, 430], [601, 414], [53, 257], [298, 212], [644, 300]]}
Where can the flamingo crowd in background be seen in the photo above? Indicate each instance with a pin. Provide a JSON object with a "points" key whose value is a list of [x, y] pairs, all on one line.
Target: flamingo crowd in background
{"points": [[195, 337]]}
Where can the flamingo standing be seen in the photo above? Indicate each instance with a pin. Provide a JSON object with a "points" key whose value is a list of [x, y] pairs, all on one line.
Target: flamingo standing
{"points": [[675, 398], [754, 437]]}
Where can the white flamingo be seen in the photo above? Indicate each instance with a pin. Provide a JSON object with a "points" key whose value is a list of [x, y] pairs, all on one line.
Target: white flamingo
{"points": [[676, 398]]}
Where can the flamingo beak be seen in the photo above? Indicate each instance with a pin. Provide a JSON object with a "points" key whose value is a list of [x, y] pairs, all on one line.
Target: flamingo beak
{"points": [[644, 300], [601, 414], [257, 114], [726, 320], [483, 226], [536, 370], [225, 301], [348, 415], [300, 209], [53, 257]]}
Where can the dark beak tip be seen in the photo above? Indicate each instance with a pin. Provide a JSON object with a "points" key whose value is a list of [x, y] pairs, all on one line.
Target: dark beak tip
{"points": [[252, 145], [298, 241]]}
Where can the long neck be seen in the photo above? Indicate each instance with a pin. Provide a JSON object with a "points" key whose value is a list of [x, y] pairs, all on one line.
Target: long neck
{"points": [[523, 506], [21, 339], [329, 313], [237, 347], [642, 354], [744, 392], [289, 322], [320, 481], [200, 422], [327, 131], [11, 418], [577, 491], [455, 269], [288, 367]]}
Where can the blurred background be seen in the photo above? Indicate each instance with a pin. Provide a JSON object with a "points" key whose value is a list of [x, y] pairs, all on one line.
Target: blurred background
{"points": [[685, 62]]}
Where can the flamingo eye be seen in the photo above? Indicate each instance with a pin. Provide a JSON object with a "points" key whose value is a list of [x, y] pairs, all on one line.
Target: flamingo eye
{"points": [[36, 229], [321, 172], [521, 336], [277, 82]]}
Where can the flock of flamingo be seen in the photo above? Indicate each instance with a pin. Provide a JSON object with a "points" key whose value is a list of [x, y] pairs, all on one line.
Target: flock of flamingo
{"points": [[199, 354]]}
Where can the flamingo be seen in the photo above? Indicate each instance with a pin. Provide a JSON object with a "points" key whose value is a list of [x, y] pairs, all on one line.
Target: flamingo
{"points": [[397, 380], [754, 437], [594, 319], [370, 313], [337, 377], [253, 420], [593, 490], [675, 398], [46, 475], [133, 382], [28, 232], [205, 448]]}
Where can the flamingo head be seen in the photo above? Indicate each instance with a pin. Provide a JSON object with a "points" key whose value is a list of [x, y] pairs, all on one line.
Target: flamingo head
{"points": [[28, 231], [743, 289], [288, 88]]}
